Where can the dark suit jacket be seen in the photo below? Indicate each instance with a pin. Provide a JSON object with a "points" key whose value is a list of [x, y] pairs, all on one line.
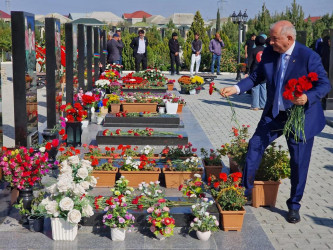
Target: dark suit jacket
{"points": [[302, 61], [135, 45]]}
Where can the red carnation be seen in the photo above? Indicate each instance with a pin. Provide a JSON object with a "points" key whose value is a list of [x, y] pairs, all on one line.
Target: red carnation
{"points": [[223, 176], [216, 184], [313, 76]]}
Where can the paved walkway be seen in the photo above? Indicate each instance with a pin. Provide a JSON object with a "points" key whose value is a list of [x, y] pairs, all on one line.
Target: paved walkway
{"points": [[315, 231]]}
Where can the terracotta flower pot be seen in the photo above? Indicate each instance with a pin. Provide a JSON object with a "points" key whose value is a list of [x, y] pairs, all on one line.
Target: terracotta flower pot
{"points": [[180, 108], [104, 110], [170, 86], [105, 178], [264, 193], [234, 167], [115, 107], [212, 170], [140, 107], [173, 179], [136, 177], [231, 220]]}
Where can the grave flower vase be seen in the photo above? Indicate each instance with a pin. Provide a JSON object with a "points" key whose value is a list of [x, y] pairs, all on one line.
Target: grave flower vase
{"points": [[63, 230], [171, 108], [265, 193], [180, 108], [170, 86], [204, 236], [36, 224], [118, 234], [115, 107], [231, 220], [73, 131]]}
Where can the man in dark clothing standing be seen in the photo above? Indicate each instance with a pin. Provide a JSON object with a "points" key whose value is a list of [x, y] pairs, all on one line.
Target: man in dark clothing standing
{"points": [[120, 48], [139, 45], [249, 46], [174, 53], [113, 47]]}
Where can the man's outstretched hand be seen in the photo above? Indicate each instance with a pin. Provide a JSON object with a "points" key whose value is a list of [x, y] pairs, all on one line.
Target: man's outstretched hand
{"points": [[228, 91]]}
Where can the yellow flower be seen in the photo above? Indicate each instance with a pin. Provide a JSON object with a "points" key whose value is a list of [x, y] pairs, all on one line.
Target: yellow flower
{"points": [[16, 151], [117, 193], [5, 159], [12, 153]]}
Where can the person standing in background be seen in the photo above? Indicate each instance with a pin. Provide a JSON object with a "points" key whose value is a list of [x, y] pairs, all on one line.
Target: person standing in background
{"points": [[174, 53], [249, 46], [118, 31], [113, 47], [215, 47], [139, 45], [325, 53], [196, 54]]}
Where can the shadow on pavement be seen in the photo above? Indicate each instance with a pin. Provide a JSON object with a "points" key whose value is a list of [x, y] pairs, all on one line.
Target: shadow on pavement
{"points": [[329, 167], [327, 222], [224, 103]]}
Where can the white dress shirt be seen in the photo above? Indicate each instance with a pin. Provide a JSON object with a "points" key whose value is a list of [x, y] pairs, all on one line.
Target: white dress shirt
{"points": [[142, 46]]}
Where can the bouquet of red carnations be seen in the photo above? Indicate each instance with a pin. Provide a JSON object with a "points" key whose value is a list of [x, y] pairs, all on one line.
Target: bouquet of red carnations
{"points": [[296, 117]]}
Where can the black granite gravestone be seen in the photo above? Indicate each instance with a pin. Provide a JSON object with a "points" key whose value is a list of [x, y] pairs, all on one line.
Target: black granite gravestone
{"points": [[53, 66], [329, 98], [301, 37], [24, 78], [97, 51], [81, 47], [103, 50], [69, 62], [89, 57]]}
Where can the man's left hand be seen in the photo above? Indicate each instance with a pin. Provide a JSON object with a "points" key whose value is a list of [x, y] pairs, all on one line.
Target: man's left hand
{"points": [[302, 100]]}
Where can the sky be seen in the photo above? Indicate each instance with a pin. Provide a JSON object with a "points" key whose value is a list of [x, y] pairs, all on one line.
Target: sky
{"points": [[165, 8]]}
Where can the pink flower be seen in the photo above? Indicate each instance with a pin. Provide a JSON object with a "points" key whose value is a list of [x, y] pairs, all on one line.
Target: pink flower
{"points": [[168, 230], [152, 229], [150, 210], [166, 209]]}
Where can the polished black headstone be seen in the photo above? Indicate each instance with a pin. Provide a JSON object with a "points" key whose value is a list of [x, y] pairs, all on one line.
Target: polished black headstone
{"points": [[89, 56], [69, 62], [171, 140], [81, 47], [158, 121], [24, 78], [97, 51], [53, 64]]}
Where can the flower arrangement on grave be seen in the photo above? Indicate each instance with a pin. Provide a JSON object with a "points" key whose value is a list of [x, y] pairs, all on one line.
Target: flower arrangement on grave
{"points": [[296, 118], [106, 166], [114, 66], [191, 164], [130, 79], [115, 87], [211, 157], [162, 224], [203, 222], [143, 164], [113, 99], [198, 80], [112, 75], [193, 187], [179, 151], [66, 152], [150, 194], [69, 199], [186, 83], [227, 192], [153, 75], [23, 167], [102, 84], [236, 150], [74, 113], [89, 99], [121, 188], [137, 132]]}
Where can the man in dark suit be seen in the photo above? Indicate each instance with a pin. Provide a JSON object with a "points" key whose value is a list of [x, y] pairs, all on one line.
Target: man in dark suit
{"points": [[174, 53], [139, 45], [285, 59]]}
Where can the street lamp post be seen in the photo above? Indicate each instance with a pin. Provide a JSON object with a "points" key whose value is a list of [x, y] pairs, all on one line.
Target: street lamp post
{"points": [[241, 20]]}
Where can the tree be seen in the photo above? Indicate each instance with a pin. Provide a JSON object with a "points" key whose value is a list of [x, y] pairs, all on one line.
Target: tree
{"points": [[144, 19], [218, 21], [264, 21], [295, 15], [197, 26]]}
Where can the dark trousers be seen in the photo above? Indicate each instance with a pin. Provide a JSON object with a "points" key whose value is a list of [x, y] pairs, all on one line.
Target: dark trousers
{"points": [[140, 58], [268, 130], [174, 59]]}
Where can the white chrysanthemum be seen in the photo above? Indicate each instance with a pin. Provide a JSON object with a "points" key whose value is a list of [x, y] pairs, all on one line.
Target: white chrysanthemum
{"points": [[74, 216], [87, 211], [82, 173], [66, 204], [73, 159]]}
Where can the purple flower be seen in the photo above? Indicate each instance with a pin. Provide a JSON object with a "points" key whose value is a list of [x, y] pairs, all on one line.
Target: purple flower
{"points": [[121, 220], [106, 209], [128, 216], [109, 216]]}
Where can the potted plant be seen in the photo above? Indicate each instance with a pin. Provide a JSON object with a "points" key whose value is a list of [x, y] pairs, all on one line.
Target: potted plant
{"points": [[117, 216], [139, 102], [74, 116], [230, 200], [105, 174], [162, 224], [237, 149], [137, 171], [170, 84], [179, 152], [212, 162], [203, 223], [68, 200], [172, 106], [181, 104], [114, 103], [102, 84], [177, 171], [22, 168], [241, 67], [274, 166]]}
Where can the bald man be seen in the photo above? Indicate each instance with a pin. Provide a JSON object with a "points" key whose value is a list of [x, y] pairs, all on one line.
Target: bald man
{"points": [[283, 60]]}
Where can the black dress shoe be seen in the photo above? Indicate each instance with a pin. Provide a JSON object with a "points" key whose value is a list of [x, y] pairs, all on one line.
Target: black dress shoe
{"points": [[218, 73], [293, 216]]}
